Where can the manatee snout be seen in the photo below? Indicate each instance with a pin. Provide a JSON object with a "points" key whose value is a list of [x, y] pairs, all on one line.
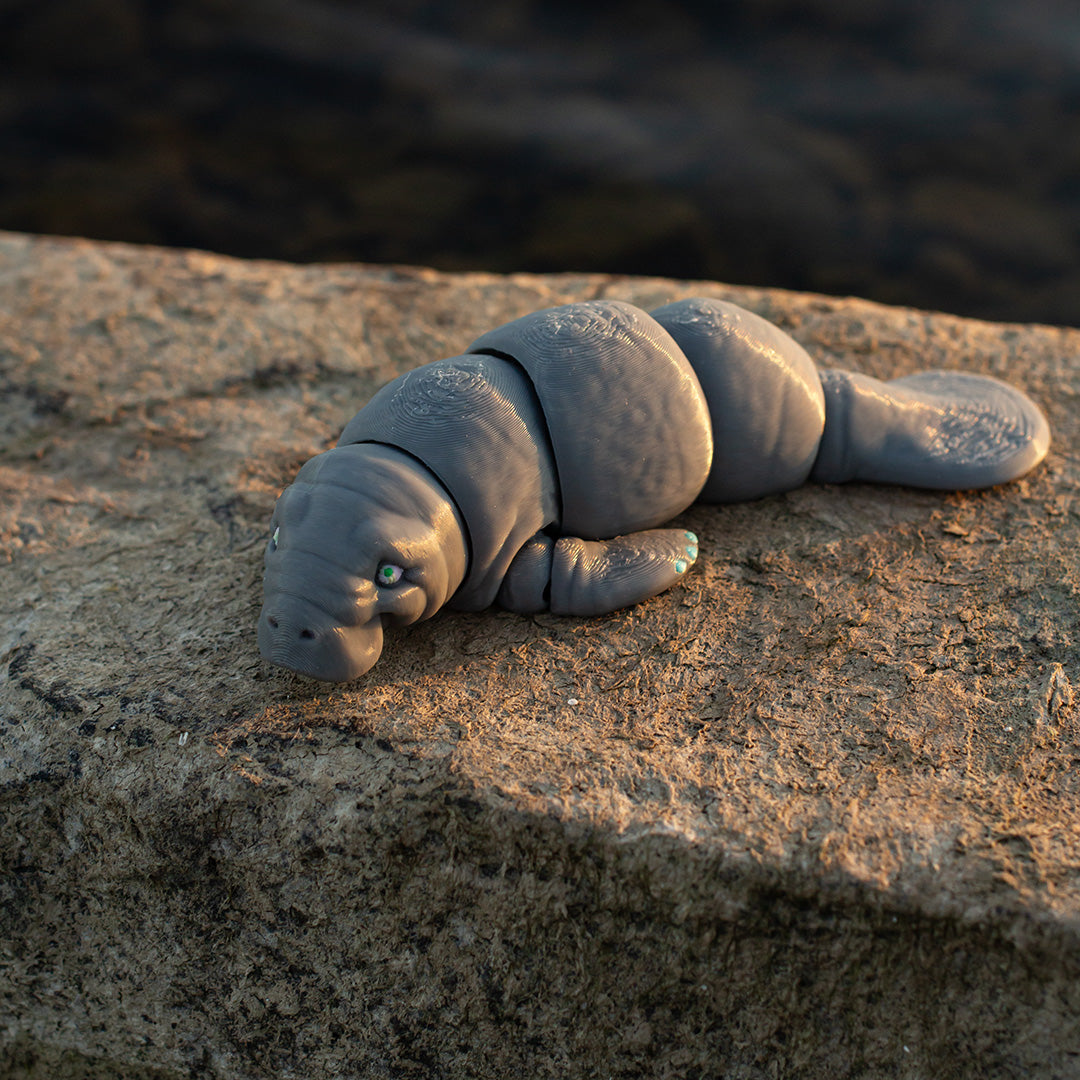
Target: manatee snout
{"points": [[298, 635], [318, 619], [362, 540]]}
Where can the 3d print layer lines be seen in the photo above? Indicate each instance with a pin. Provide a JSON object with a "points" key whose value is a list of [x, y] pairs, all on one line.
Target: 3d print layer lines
{"points": [[533, 470]]}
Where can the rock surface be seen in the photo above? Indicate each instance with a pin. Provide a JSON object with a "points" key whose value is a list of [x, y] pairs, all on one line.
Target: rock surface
{"points": [[812, 814]]}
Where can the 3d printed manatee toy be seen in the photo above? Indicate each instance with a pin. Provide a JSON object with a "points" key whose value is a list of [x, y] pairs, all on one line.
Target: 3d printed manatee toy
{"points": [[532, 470]]}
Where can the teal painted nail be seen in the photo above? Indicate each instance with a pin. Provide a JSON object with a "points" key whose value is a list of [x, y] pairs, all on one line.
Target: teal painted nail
{"points": [[691, 550], [692, 537], [680, 566]]}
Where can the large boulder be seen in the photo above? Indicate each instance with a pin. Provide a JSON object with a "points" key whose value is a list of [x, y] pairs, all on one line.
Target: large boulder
{"points": [[812, 813]]}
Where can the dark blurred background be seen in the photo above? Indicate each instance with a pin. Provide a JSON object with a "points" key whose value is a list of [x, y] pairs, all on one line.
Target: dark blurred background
{"points": [[922, 152]]}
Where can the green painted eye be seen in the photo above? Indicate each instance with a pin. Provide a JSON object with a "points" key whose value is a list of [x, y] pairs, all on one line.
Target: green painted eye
{"points": [[388, 574]]}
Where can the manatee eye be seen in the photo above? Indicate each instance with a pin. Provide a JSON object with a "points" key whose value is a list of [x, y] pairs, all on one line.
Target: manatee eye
{"points": [[273, 539], [388, 574]]}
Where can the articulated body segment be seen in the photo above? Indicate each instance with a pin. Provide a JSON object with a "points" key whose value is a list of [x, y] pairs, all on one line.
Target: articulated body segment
{"points": [[533, 470], [626, 418], [475, 424], [765, 401]]}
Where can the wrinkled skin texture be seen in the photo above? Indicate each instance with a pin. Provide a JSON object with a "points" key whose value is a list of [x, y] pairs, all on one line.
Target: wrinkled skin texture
{"points": [[351, 511]]}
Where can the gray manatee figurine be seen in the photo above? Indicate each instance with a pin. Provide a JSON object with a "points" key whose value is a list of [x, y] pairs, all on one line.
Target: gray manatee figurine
{"points": [[533, 470]]}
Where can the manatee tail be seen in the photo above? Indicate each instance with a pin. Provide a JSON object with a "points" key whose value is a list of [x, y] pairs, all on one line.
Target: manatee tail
{"points": [[939, 429]]}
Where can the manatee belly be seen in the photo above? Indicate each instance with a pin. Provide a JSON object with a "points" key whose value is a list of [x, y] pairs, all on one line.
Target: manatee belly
{"points": [[627, 421]]}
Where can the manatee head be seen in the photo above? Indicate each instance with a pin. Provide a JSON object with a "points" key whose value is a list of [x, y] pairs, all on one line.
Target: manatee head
{"points": [[364, 538]]}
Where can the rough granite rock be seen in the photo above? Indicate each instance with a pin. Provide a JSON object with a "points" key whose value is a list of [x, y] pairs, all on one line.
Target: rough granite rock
{"points": [[812, 814]]}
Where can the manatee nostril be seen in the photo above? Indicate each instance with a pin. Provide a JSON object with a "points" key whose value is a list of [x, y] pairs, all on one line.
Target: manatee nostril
{"points": [[272, 621], [307, 635]]}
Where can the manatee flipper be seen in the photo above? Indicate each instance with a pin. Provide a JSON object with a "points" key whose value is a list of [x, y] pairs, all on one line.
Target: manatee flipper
{"points": [[570, 576], [940, 429]]}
